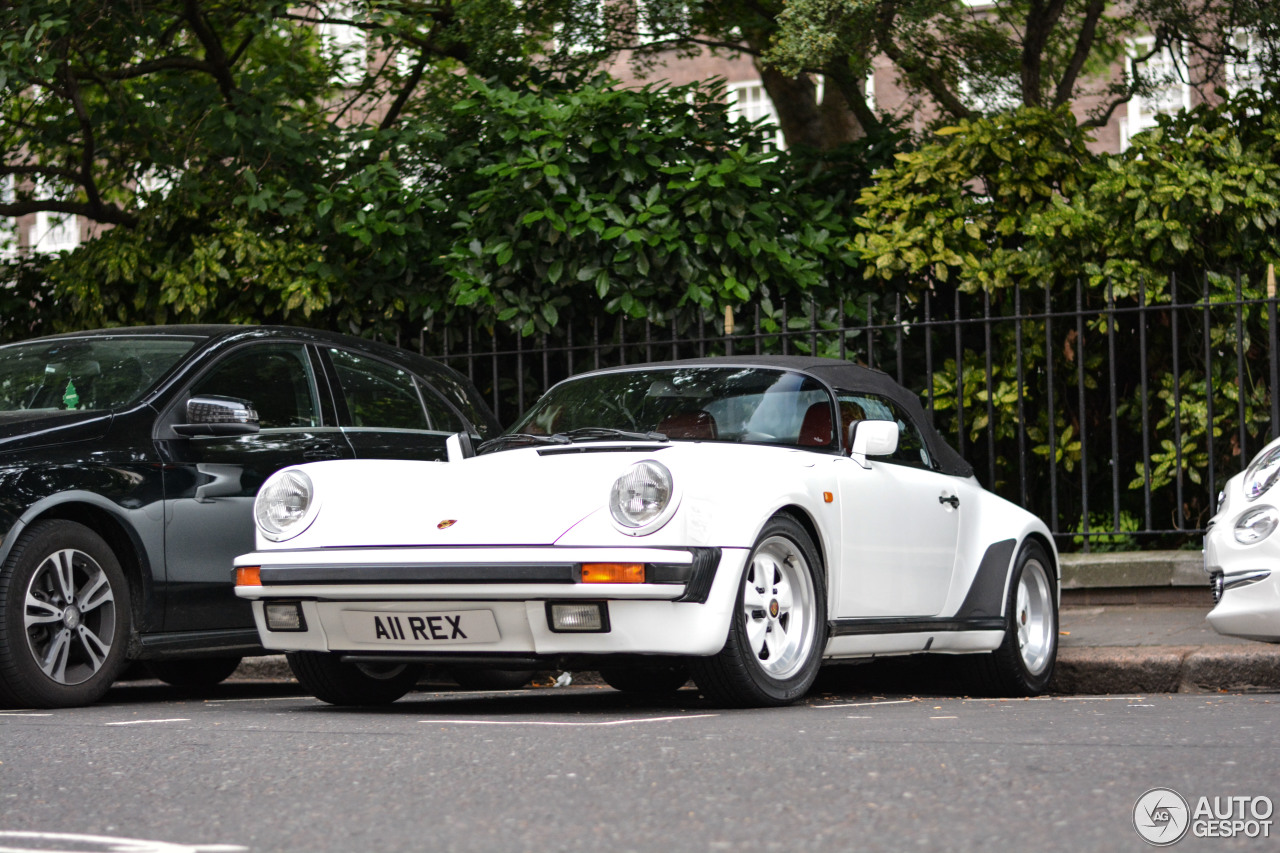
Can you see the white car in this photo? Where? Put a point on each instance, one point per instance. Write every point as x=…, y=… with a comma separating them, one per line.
x=1242, y=554
x=654, y=522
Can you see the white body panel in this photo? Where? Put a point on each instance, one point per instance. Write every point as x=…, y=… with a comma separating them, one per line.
x=904, y=555
x=1250, y=603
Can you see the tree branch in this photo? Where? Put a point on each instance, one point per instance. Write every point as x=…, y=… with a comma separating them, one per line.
x=1084, y=46
x=109, y=213
x=1041, y=20
x=214, y=54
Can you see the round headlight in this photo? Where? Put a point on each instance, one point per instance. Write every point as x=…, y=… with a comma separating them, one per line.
x=283, y=505
x=1256, y=525
x=641, y=495
x=1262, y=473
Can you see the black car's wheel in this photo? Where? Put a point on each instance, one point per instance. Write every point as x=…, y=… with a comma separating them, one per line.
x=1023, y=665
x=193, y=673
x=492, y=679
x=779, y=626
x=647, y=680
x=64, y=617
x=338, y=683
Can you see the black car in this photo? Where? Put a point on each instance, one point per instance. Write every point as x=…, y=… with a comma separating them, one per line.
x=129, y=461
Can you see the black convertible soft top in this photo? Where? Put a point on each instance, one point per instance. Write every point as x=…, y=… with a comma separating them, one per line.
x=847, y=376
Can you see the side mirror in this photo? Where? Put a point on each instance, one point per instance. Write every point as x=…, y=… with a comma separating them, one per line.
x=210, y=415
x=459, y=446
x=872, y=438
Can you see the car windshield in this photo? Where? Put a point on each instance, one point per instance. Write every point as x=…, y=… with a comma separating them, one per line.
x=84, y=374
x=733, y=404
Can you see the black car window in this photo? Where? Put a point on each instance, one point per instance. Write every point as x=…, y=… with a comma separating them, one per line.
x=441, y=416
x=856, y=406
x=275, y=378
x=378, y=394
x=84, y=374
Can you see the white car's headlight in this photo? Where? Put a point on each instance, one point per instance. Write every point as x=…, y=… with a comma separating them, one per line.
x=641, y=497
x=1262, y=473
x=1256, y=524
x=285, y=506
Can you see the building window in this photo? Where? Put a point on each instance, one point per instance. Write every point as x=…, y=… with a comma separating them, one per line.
x=1244, y=71
x=344, y=43
x=8, y=225
x=749, y=100
x=1169, y=92
x=55, y=232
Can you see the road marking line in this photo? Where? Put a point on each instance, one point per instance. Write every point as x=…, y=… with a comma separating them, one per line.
x=142, y=722
x=563, y=724
x=870, y=704
x=22, y=714
x=134, y=845
x=944, y=718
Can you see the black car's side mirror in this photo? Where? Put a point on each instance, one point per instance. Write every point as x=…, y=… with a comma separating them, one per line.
x=210, y=415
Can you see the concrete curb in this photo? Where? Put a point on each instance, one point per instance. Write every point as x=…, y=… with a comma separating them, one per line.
x=1082, y=671
x=1166, y=669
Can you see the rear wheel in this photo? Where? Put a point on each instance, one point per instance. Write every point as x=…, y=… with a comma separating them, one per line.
x=492, y=679
x=1023, y=665
x=64, y=617
x=330, y=680
x=647, y=680
x=194, y=673
x=778, y=628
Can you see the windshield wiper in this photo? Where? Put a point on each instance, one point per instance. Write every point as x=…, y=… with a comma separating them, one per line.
x=605, y=433
x=519, y=439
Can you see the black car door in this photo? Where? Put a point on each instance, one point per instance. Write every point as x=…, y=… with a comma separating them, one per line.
x=388, y=412
x=211, y=481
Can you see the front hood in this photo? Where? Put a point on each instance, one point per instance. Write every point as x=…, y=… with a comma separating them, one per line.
x=25, y=429
x=513, y=497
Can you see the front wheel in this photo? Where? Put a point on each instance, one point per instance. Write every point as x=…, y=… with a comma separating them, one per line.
x=492, y=679
x=64, y=617
x=330, y=680
x=652, y=680
x=1023, y=665
x=194, y=673
x=778, y=628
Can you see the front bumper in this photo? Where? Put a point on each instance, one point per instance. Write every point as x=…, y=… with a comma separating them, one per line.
x=683, y=608
x=1246, y=585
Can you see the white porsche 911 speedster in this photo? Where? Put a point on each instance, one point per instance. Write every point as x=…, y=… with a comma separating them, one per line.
x=737, y=520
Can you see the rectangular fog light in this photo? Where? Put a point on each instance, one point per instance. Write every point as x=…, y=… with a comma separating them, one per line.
x=584, y=617
x=284, y=616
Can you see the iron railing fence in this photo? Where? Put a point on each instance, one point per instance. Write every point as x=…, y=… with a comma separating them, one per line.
x=1090, y=406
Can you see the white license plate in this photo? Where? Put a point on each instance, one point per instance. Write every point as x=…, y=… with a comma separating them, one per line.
x=440, y=628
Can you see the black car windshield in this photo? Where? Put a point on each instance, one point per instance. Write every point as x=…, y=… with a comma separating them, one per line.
x=84, y=374
x=732, y=404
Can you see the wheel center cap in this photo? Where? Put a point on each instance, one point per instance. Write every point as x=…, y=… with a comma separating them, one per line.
x=774, y=609
x=71, y=616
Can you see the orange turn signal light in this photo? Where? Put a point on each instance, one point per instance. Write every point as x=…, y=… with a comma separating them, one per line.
x=613, y=572
x=248, y=576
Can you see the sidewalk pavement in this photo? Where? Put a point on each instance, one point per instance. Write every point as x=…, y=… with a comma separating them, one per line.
x=1130, y=623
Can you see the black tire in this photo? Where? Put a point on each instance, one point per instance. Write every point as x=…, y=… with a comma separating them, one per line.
x=746, y=672
x=1024, y=663
x=193, y=673
x=66, y=577
x=492, y=679
x=330, y=680
x=647, y=680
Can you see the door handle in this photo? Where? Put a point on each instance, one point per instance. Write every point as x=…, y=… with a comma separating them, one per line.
x=954, y=500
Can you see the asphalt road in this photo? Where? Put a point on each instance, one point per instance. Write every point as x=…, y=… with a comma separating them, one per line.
x=260, y=768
